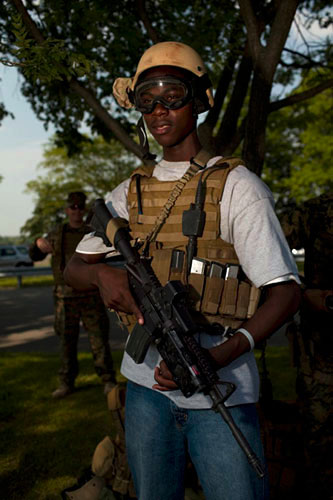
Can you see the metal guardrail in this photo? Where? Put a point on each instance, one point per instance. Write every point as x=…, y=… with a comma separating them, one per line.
x=22, y=272
x=25, y=271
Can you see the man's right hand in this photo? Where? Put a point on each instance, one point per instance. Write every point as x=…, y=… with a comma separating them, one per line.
x=88, y=271
x=114, y=289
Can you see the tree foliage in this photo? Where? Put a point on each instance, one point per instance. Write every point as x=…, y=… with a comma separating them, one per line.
x=53, y=60
x=244, y=43
x=298, y=163
x=96, y=169
x=312, y=170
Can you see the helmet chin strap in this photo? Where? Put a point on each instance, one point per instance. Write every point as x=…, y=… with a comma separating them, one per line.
x=147, y=157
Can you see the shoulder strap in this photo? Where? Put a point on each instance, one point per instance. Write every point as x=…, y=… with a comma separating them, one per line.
x=224, y=166
x=194, y=219
x=232, y=161
x=144, y=170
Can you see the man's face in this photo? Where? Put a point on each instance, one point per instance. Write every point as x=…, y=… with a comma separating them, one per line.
x=169, y=127
x=75, y=214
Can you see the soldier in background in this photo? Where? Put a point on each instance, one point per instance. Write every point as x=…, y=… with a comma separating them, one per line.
x=310, y=226
x=71, y=306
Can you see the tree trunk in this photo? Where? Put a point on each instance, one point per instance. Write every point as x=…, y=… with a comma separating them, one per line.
x=205, y=129
x=254, y=141
x=265, y=60
x=228, y=129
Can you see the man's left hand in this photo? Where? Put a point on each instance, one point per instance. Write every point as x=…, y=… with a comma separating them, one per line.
x=164, y=379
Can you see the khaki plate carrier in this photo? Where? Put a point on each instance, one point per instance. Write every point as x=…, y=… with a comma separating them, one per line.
x=212, y=299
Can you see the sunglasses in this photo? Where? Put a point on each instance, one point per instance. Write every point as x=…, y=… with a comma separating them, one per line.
x=77, y=207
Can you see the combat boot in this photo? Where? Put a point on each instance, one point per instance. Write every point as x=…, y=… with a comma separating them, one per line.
x=63, y=391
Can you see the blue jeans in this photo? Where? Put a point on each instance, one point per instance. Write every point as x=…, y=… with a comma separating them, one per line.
x=159, y=434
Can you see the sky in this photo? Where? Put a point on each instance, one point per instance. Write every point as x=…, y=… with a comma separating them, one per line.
x=21, y=148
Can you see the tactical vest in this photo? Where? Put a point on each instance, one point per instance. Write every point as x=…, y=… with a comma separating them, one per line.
x=212, y=299
x=64, y=242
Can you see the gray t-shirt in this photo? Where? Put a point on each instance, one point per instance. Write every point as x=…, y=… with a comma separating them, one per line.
x=248, y=221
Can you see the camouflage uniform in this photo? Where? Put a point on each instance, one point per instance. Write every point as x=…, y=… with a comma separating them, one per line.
x=71, y=306
x=311, y=227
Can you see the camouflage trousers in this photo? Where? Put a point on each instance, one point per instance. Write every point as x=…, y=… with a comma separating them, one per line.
x=69, y=312
x=314, y=383
x=315, y=398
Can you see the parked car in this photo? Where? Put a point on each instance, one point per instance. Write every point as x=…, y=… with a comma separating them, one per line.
x=14, y=256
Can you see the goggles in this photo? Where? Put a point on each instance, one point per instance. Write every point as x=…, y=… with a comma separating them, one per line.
x=77, y=206
x=172, y=93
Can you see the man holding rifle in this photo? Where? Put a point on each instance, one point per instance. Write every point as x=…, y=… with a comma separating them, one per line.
x=210, y=223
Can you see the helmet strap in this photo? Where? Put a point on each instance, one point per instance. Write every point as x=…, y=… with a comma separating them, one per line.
x=147, y=157
x=199, y=87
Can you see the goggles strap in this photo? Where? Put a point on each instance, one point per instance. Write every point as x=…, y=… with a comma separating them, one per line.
x=147, y=157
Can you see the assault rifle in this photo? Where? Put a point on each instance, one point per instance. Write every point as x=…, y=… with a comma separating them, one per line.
x=168, y=324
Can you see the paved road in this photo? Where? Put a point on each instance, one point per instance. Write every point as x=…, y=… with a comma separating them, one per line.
x=26, y=323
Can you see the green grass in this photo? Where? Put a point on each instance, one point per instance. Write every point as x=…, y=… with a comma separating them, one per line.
x=46, y=444
x=281, y=372
x=27, y=281
x=300, y=266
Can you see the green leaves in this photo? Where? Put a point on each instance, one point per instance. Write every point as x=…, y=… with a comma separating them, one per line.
x=48, y=60
x=299, y=148
x=96, y=42
x=312, y=170
x=96, y=169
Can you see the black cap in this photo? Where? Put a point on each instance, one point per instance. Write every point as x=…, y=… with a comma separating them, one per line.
x=77, y=198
